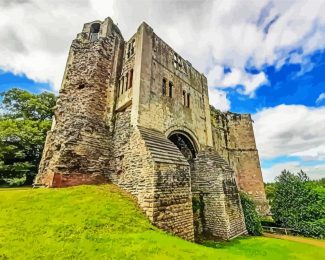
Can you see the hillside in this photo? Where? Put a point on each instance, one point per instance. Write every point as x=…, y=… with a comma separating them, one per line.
x=102, y=222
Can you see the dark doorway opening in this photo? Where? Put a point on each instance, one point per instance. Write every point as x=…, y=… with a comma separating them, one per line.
x=184, y=144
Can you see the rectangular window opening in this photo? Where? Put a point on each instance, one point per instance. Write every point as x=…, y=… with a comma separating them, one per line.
x=184, y=98
x=126, y=81
x=131, y=78
x=170, y=89
x=164, y=87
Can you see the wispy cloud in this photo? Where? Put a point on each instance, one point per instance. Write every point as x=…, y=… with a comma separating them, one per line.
x=320, y=98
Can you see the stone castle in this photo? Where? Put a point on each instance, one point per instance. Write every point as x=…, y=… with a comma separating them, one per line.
x=135, y=113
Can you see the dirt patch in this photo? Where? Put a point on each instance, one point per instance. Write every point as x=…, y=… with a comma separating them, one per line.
x=310, y=241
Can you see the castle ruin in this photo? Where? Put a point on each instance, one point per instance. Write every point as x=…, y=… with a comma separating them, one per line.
x=135, y=113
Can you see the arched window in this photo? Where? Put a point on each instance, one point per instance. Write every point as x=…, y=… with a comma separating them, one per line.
x=94, y=32
x=164, y=87
x=170, y=92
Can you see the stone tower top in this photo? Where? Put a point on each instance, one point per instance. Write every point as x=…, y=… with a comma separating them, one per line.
x=96, y=29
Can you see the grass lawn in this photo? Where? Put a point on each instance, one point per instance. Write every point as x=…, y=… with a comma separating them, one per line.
x=101, y=222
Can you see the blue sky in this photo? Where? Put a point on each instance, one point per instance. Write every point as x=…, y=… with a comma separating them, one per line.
x=9, y=80
x=288, y=85
x=264, y=57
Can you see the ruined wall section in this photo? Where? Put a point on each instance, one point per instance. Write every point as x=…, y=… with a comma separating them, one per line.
x=78, y=147
x=158, y=178
x=234, y=139
x=216, y=202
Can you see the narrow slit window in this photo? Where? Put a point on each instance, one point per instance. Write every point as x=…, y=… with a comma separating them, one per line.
x=170, y=89
x=131, y=78
x=128, y=50
x=164, y=82
x=184, y=98
x=122, y=85
x=188, y=100
x=126, y=81
x=132, y=47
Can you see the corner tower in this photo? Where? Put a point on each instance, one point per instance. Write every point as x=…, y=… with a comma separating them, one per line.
x=78, y=147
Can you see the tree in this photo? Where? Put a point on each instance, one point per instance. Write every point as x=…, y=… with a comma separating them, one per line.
x=252, y=219
x=23, y=126
x=299, y=203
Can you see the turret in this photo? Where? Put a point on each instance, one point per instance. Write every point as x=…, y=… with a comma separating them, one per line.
x=78, y=147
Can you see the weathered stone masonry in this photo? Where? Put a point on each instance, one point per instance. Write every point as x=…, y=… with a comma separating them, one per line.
x=137, y=114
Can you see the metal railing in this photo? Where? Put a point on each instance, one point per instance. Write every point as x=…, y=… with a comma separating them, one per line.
x=278, y=230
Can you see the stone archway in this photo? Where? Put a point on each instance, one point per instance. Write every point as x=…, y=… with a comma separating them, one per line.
x=184, y=143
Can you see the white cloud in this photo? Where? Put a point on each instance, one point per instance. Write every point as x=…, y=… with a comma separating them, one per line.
x=290, y=130
x=320, y=98
x=314, y=172
x=211, y=34
x=218, y=99
x=236, y=77
x=36, y=41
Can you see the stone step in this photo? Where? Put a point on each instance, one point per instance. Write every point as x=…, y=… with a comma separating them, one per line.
x=164, y=146
x=171, y=158
x=155, y=137
x=159, y=150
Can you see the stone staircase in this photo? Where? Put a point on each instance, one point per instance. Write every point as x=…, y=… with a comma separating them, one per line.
x=161, y=149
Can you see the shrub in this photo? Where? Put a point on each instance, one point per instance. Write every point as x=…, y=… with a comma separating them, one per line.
x=311, y=228
x=15, y=182
x=252, y=219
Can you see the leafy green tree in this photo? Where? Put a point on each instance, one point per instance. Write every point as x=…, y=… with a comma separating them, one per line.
x=252, y=219
x=24, y=123
x=295, y=201
x=269, y=190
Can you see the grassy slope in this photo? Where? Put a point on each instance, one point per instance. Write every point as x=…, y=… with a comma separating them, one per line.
x=90, y=222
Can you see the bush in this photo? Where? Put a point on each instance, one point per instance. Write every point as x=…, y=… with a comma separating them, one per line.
x=312, y=228
x=15, y=182
x=252, y=219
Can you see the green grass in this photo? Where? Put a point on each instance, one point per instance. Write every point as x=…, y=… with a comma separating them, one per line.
x=101, y=222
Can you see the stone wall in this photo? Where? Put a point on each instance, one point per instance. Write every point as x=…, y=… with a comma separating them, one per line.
x=234, y=139
x=217, y=203
x=165, y=111
x=79, y=142
x=151, y=168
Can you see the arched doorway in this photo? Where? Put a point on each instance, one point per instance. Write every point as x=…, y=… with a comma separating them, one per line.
x=185, y=144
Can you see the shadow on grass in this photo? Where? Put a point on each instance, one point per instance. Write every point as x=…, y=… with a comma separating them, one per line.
x=223, y=244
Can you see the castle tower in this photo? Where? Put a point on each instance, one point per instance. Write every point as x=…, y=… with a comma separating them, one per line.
x=234, y=138
x=77, y=148
x=137, y=114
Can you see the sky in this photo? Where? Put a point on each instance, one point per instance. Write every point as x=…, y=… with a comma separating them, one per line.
x=261, y=57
